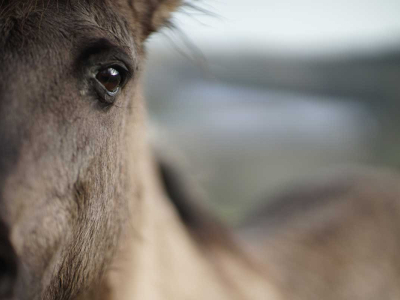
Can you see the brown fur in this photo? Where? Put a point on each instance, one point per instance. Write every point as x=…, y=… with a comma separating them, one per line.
x=87, y=213
x=77, y=183
x=334, y=238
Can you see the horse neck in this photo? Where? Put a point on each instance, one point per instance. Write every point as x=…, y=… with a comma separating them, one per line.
x=160, y=258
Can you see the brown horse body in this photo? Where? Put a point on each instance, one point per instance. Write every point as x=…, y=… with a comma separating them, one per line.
x=332, y=238
x=86, y=212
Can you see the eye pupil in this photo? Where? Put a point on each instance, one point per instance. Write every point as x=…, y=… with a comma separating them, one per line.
x=110, y=78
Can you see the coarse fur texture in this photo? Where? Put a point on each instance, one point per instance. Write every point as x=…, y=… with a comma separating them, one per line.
x=79, y=192
x=88, y=212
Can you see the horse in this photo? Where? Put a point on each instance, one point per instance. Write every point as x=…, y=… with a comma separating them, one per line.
x=89, y=211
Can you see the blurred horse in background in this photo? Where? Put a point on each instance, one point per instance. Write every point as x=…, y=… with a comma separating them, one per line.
x=88, y=212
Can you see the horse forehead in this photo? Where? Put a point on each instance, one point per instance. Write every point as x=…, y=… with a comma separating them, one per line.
x=58, y=24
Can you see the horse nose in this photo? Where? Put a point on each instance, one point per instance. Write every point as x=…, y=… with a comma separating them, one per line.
x=8, y=264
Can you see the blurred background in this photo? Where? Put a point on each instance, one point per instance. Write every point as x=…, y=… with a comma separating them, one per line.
x=258, y=94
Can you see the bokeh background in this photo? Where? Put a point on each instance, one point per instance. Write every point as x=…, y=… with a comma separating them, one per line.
x=258, y=94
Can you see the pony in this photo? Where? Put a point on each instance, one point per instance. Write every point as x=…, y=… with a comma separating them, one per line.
x=88, y=211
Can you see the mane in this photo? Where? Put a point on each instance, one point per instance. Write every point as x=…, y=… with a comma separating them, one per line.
x=212, y=237
x=202, y=224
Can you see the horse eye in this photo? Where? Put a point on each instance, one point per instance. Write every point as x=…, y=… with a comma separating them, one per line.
x=111, y=79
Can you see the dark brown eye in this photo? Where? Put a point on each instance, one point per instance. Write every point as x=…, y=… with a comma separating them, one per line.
x=111, y=79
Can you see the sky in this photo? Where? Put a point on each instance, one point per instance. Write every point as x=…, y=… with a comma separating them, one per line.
x=294, y=25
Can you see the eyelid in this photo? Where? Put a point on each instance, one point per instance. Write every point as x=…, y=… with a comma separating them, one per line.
x=103, y=52
x=121, y=66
